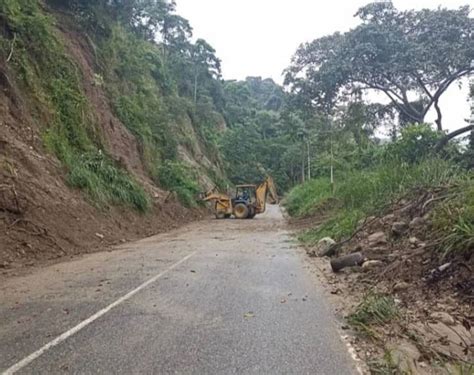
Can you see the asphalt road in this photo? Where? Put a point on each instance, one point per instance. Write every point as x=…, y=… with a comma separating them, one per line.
x=214, y=297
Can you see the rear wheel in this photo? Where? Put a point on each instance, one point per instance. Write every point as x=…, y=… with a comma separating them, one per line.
x=241, y=211
x=252, y=212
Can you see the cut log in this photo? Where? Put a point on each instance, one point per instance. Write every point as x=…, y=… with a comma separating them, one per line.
x=354, y=259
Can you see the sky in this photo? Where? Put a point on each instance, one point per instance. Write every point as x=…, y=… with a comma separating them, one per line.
x=258, y=37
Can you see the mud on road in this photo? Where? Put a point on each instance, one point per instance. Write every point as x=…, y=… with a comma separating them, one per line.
x=227, y=296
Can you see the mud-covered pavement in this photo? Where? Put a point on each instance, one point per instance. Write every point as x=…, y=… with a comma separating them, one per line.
x=214, y=297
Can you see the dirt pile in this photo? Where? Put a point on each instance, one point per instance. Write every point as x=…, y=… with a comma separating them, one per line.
x=419, y=300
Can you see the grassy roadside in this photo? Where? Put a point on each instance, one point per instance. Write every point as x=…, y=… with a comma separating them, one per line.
x=359, y=194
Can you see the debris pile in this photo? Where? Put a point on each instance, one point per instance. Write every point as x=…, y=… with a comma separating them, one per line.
x=396, y=255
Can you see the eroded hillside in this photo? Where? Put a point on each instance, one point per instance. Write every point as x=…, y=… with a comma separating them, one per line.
x=101, y=141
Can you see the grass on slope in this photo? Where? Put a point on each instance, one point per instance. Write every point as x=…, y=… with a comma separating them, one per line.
x=359, y=194
x=53, y=81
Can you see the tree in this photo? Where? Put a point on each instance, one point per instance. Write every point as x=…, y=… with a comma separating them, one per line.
x=204, y=61
x=412, y=57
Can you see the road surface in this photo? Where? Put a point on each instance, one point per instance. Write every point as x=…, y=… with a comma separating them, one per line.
x=214, y=297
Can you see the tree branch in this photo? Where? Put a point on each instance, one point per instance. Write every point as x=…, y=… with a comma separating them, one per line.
x=12, y=48
x=444, y=141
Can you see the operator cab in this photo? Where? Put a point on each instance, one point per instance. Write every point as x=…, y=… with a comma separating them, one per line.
x=245, y=193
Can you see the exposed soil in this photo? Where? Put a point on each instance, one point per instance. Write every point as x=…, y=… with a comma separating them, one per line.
x=41, y=218
x=434, y=294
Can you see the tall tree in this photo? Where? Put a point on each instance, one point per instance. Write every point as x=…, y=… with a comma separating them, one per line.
x=412, y=57
x=205, y=62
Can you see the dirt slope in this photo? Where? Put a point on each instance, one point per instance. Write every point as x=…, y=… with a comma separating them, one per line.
x=41, y=218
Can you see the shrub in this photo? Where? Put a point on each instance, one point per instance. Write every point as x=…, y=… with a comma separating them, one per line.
x=416, y=143
x=176, y=177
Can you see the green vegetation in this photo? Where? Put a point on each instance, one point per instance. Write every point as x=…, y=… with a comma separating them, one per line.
x=154, y=89
x=364, y=192
x=176, y=177
x=53, y=81
x=454, y=218
x=374, y=309
x=105, y=183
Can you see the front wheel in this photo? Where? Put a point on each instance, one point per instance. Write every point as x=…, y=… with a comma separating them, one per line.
x=241, y=211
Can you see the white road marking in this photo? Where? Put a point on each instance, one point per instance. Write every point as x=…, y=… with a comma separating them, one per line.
x=27, y=360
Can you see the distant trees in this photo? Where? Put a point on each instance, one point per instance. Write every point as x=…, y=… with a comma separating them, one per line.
x=412, y=57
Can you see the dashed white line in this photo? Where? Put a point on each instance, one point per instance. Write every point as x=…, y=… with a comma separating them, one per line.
x=27, y=360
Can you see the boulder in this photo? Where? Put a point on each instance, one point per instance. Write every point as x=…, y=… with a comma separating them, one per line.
x=399, y=228
x=417, y=222
x=401, y=286
x=371, y=264
x=388, y=218
x=414, y=240
x=324, y=246
x=405, y=357
x=443, y=317
x=377, y=238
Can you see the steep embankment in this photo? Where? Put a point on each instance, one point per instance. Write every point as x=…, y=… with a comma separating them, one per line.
x=91, y=145
x=407, y=230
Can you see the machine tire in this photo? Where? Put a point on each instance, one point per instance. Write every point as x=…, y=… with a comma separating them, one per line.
x=241, y=211
x=252, y=212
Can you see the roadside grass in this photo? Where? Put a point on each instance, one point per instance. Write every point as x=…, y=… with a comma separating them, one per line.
x=358, y=194
x=454, y=219
x=374, y=309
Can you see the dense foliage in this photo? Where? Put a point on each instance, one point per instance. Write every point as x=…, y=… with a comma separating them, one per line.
x=165, y=89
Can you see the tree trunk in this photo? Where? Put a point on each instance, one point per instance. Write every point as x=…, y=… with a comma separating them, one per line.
x=195, y=87
x=440, y=116
x=302, y=170
x=351, y=260
x=309, y=163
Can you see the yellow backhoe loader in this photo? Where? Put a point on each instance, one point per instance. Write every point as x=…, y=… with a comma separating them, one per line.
x=249, y=200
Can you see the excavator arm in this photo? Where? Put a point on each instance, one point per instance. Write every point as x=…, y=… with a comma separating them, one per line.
x=266, y=188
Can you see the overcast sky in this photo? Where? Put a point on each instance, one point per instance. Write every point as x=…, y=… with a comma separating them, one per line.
x=258, y=37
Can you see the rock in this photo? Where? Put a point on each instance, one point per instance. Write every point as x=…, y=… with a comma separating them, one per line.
x=324, y=246
x=101, y=236
x=453, y=340
x=405, y=356
x=400, y=286
x=360, y=223
x=417, y=222
x=388, y=218
x=413, y=240
x=399, y=228
x=443, y=317
x=372, y=264
x=377, y=238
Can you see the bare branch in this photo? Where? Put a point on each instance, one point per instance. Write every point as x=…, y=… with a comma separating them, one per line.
x=12, y=48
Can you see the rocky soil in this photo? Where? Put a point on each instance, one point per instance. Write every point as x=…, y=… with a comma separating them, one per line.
x=394, y=256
